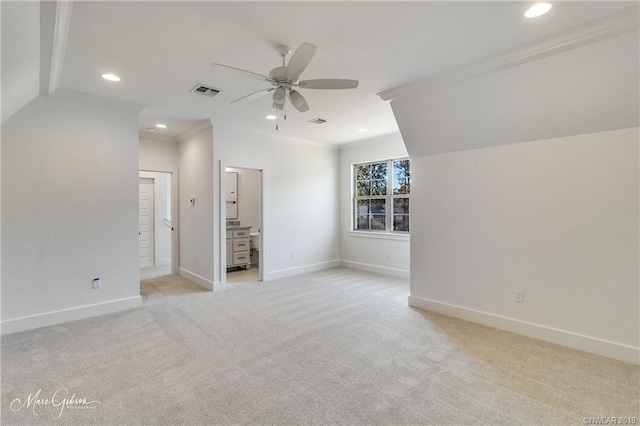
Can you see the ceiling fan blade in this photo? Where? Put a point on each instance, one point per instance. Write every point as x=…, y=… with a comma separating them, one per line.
x=246, y=73
x=298, y=101
x=254, y=95
x=328, y=83
x=300, y=59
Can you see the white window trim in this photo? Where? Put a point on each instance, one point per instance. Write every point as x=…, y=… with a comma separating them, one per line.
x=386, y=235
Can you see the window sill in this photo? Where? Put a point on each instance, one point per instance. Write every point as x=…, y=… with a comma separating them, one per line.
x=380, y=235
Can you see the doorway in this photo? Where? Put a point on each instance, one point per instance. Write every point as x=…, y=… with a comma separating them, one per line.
x=155, y=224
x=243, y=219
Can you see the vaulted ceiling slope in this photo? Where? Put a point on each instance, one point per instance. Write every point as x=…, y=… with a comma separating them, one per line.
x=580, y=81
x=161, y=50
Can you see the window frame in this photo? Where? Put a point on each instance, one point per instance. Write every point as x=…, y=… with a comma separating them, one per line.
x=388, y=232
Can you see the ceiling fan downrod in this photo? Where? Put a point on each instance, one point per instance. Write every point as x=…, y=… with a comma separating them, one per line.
x=283, y=51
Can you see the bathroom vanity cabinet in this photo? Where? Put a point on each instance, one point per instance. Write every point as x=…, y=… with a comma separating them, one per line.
x=238, y=254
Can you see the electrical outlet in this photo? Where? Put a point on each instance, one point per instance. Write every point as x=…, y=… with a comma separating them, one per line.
x=96, y=283
x=519, y=296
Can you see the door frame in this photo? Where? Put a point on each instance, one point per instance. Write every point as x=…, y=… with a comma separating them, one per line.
x=175, y=233
x=222, y=214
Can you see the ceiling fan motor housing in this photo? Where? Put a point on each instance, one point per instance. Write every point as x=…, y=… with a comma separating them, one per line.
x=279, y=74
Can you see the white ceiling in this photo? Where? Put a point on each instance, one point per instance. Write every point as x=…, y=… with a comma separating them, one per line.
x=162, y=49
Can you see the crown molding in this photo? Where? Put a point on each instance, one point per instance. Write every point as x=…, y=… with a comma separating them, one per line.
x=96, y=100
x=380, y=139
x=278, y=136
x=572, y=38
x=146, y=134
x=198, y=128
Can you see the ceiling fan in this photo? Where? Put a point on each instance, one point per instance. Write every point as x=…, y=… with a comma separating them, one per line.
x=285, y=79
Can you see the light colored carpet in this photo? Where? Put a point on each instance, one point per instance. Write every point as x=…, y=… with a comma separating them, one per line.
x=336, y=346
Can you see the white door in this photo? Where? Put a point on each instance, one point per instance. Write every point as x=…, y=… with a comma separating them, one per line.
x=145, y=234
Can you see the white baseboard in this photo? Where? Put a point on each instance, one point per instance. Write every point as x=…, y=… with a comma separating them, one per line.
x=72, y=314
x=561, y=337
x=284, y=273
x=392, y=272
x=218, y=286
x=196, y=279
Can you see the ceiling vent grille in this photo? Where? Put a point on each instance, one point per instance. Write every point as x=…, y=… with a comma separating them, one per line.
x=317, y=121
x=203, y=90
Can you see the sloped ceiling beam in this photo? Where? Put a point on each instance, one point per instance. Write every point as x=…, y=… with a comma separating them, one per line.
x=55, y=19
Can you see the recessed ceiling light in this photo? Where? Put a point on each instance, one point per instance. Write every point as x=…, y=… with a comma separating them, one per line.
x=111, y=77
x=161, y=126
x=271, y=117
x=362, y=130
x=537, y=10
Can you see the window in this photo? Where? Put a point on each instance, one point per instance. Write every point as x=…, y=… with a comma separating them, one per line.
x=381, y=201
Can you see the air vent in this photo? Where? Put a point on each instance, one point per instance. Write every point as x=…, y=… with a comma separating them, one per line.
x=203, y=90
x=317, y=121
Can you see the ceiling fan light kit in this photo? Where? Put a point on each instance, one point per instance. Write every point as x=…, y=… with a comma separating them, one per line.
x=285, y=79
x=279, y=95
